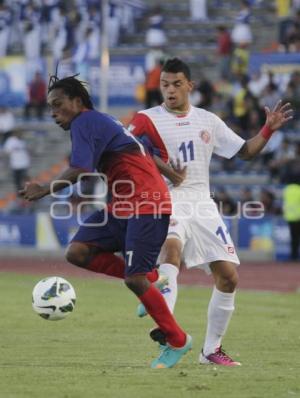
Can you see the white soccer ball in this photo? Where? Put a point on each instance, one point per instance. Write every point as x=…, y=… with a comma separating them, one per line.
x=53, y=298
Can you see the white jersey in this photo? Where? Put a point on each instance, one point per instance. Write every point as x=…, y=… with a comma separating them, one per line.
x=193, y=139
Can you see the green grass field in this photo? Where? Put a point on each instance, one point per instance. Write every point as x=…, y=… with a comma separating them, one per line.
x=103, y=350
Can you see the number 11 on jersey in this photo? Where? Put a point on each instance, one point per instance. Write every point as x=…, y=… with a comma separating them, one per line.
x=187, y=150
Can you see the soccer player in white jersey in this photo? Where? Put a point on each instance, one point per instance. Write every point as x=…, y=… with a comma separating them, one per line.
x=177, y=131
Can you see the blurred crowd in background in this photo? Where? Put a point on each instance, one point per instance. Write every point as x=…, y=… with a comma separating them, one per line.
x=72, y=28
x=52, y=27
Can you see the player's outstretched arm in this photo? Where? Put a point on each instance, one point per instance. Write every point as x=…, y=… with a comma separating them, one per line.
x=174, y=172
x=275, y=119
x=34, y=191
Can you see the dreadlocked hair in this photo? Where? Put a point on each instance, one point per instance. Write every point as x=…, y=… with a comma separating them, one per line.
x=175, y=65
x=72, y=87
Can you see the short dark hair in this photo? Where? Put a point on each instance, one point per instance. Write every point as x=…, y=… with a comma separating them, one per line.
x=175, y=65
x=72, y=87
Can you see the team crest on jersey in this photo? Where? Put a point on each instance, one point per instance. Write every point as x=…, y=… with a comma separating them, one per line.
x=173, y=222
x=230, y=249
x=205, y=136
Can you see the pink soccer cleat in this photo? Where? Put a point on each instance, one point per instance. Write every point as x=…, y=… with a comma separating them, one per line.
x=219, y=357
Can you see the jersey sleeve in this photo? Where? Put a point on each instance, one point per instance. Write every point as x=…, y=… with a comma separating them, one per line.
x=142, y=127
x=82, y=155
x=227, y=143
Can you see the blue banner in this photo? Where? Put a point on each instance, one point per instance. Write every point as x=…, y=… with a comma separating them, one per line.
x=277, y=63
x=269, y=234
x=17, y=230
x=36, y=230
x=41, y=231
x=256, y=234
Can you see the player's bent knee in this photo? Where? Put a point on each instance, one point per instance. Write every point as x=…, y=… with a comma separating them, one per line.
x=226, y=276
x=229, y=282
x=132, y=283
x=232, y=284
x=138, y=284
x=77, y=255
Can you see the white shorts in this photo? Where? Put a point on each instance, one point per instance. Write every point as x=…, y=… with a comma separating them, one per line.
x=203, y=234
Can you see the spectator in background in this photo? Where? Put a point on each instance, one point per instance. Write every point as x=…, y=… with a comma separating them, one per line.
x=114, y=24
x=151, y=57
x=258, y=83
x=47, y=10
x=295, y=5
x=283, y=155
x=241, y=33
x=31, y=41
x=19, y=159
x=246, y=195
x=226, y=204
x=93, y=28
x=268, y=199
x=7, y=123
x=224, y=51
x=88, y=48
x=67, y=65
x=32, y=31
x=155, y=34
x=270, y=95
x=243, y=102
x=198, y=10
x=127, y=19
x=291, y=202
x=255, y=118
x=59, y=34
x=240, y=61
x=152, y=86
x=293, y=33
x=252, y=207
x=219, y=105
x=207, y=91
x=5, y=27
x=283, y=9
x=292, y=94
x=37, y=96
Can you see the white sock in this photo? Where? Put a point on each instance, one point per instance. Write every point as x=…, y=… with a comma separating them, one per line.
x=170, y=291
x=220, y=309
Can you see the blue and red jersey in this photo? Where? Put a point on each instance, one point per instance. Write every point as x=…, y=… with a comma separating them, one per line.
x=135, y=185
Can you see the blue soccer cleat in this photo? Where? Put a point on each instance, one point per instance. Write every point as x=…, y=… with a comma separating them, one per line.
x=161, y=283
x=169, y=356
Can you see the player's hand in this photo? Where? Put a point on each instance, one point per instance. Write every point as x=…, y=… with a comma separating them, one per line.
x=279, y=115
x=33, y=191
x=179, y=172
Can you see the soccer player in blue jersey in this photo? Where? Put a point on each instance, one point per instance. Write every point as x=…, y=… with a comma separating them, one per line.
x=136, y=218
